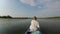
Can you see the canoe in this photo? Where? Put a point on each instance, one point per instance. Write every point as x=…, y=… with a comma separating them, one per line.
x=36, y=32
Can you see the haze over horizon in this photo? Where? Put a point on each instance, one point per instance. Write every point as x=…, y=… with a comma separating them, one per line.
x=23, y=8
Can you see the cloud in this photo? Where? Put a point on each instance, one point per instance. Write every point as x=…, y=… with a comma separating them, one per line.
x=35, y=3
x=30, y=2
x=41, y=8
x=47, y=7
x=54, y=5
x=52, y=9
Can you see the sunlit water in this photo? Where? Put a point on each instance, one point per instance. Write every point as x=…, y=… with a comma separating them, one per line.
x=19, y=26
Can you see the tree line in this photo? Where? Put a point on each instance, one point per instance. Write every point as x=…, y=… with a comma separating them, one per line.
x=5, y=16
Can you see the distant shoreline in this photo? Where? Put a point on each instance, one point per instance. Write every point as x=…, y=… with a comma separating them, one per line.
x=32, y=18
x=10, y=17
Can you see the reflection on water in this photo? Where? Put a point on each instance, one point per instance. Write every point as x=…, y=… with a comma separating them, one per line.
x=19, y=26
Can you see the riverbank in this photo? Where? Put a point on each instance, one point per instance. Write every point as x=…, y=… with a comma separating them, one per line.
x=10, y=17
x=29, y=18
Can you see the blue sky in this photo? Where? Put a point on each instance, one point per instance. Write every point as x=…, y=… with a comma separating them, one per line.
x=23, y=8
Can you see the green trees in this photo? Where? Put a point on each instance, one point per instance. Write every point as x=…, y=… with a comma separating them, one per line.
x=5, y=16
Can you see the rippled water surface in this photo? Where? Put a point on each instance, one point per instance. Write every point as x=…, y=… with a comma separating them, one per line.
x=19, y=26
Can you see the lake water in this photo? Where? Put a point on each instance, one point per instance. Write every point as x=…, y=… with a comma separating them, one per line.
x=19, y=26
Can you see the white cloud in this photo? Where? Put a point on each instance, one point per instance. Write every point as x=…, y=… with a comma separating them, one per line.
x=53, y=5
x=52, y=9
x=39, y=7
x=30, y=2
x=35, y=2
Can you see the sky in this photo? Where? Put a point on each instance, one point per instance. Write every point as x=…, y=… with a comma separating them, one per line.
x=30, y=8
